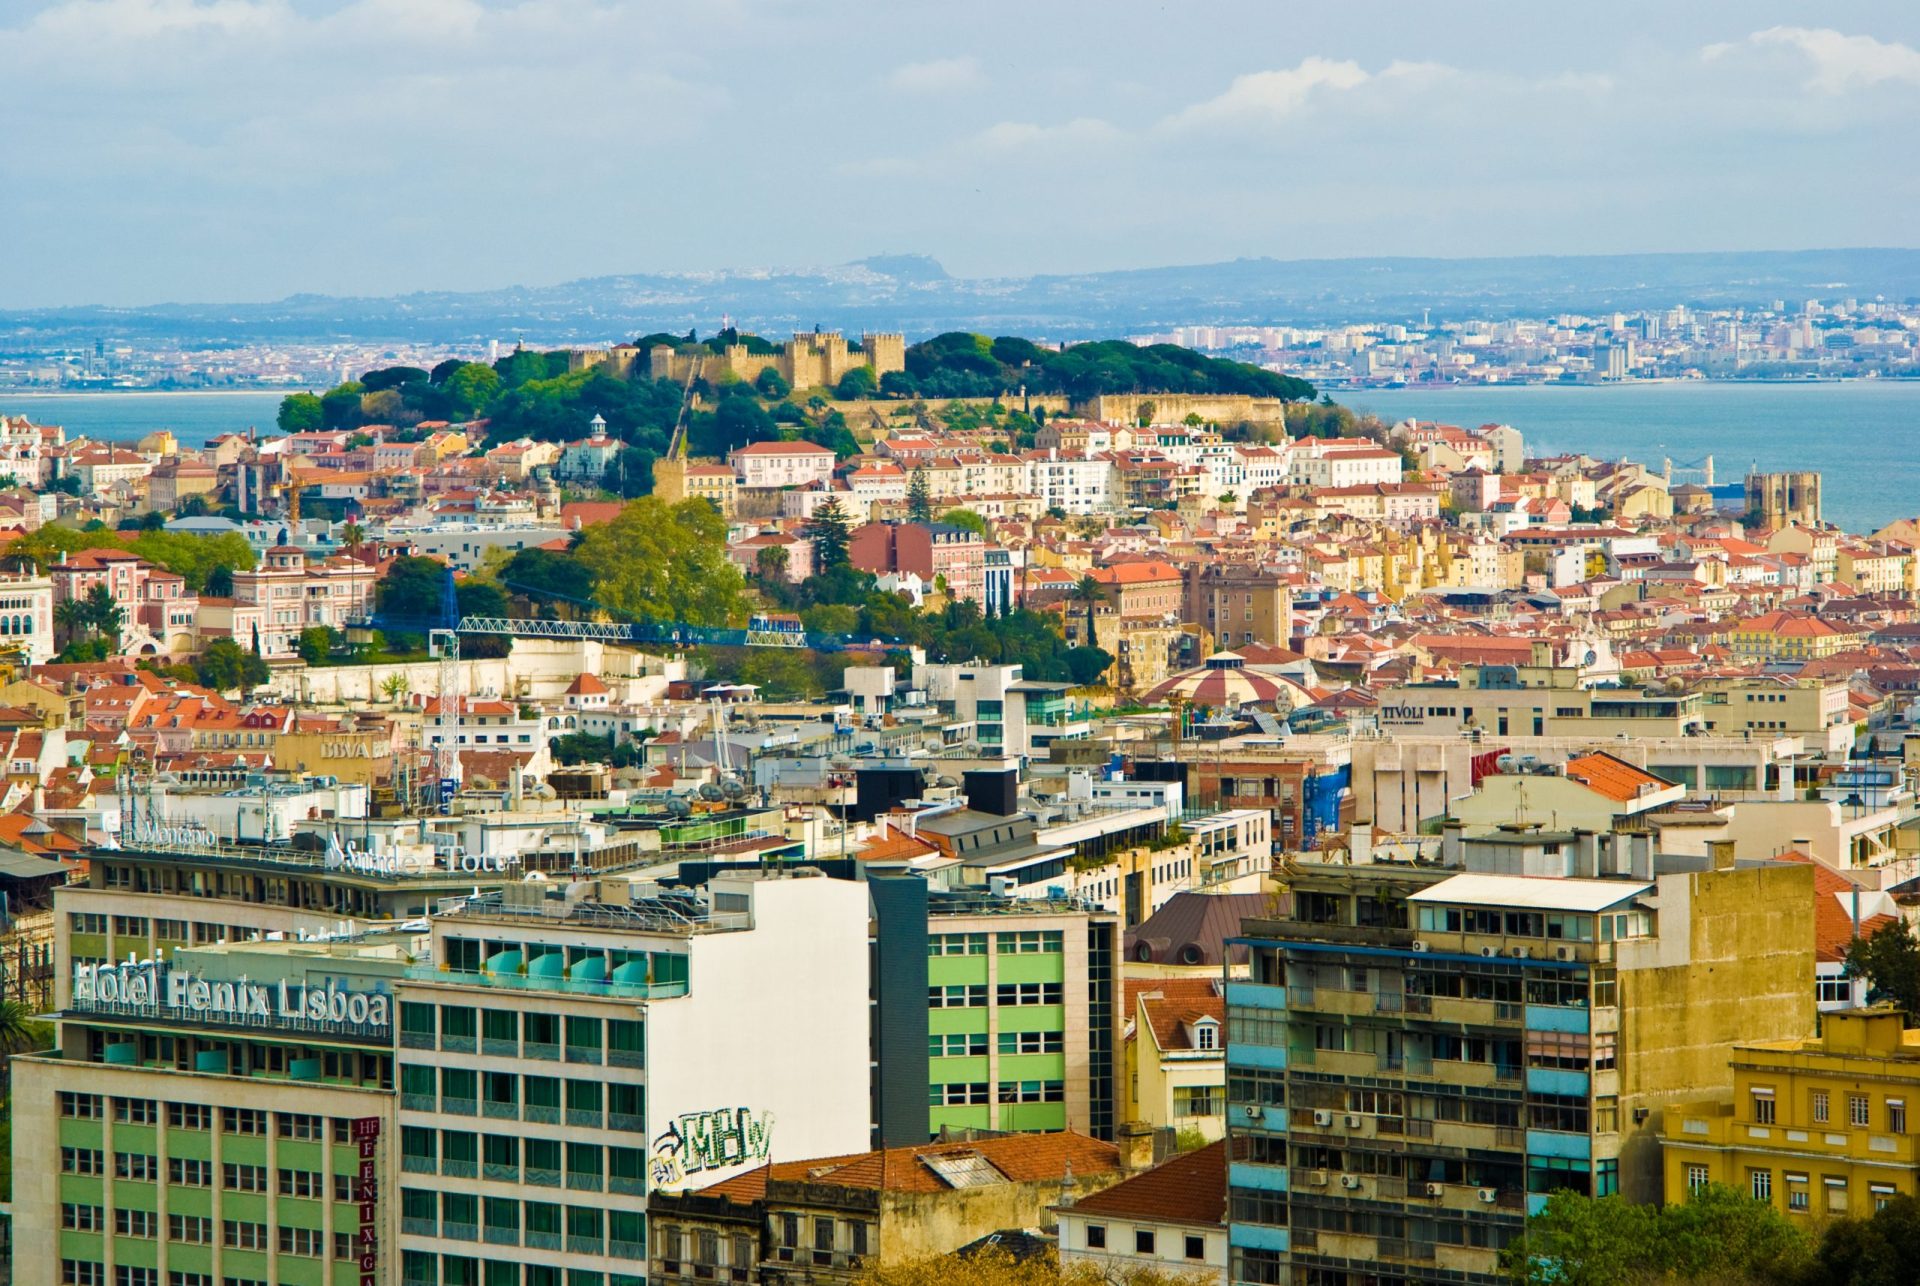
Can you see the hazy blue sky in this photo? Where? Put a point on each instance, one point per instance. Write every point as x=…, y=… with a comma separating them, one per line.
x=248, y=149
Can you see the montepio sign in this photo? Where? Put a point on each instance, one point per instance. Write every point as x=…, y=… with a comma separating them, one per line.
x=152, y=987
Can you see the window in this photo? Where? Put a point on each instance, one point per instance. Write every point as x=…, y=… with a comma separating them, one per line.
x=1822, y=1107
x=189, y=1116
x=1797, y=1198
x=243, y=1120
x=1198, y=1100
x=1836, y=1196
x=1896, y=1116
x=195, y=1230
x=1763, y=1107
x=959, y=997
x=300, y=1183
x=1760, y=1183
x=1030, y=943
x=1206, y=1035
x=1096, y=1236
x=301, y=1241
x=298, y=1125
x=956, y=944
x=129, y=1275
x=1142, y=1242
x=957, y=1094
x=82, y=1161
x=80, y=1107
x=1032, y=1042
x=135, y=1111
x=958, y=1045
x=141, y=1166
x=1196, y=1247
x=82, y=1272
x=1857, y=1109
x=1030, y=993
x=1696, y=1178
x=238, y=1234
x=235, y=1177
x=81, y=1218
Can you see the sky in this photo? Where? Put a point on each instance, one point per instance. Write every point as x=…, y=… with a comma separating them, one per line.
x=238, y=150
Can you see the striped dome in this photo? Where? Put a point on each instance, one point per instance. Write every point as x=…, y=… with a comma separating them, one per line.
x=1222, y=681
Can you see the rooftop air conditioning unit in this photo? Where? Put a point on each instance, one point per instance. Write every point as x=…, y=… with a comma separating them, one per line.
x=1488, y=1196
x=1563, y=953
x=1521, y=953
x=1350, y=1181
x=1353, y=1122
x=1252, y=1111
x=1317, y=1179
x=1489, y=951
x=1436, y=1189
x=1323, y=1118
x=1419, y=945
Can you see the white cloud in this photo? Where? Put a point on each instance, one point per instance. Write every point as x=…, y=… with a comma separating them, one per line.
x=1839, y=62
x=940, y=76
x=1015, y=136
x=1266, y=98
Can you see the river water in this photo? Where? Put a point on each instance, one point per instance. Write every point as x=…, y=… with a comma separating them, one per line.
x=1863, y=436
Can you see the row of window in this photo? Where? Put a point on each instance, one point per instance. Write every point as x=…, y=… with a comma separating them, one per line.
x=461, y=1027
x=463, y=1154
x=1860, y=1114
x=1799, y=1189
x=198, y=1230
x=540, y=1225
x=424, y=1268
x=89, y=1272
x=974, y=1093
x=1028, y=942
x=974, y=1044
x=462, y=1091
x=1146, y=1241
x=244, y=1121
x=135, y=926
x=974, y=995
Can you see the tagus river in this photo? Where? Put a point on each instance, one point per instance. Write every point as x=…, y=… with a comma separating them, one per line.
x=1862, y=435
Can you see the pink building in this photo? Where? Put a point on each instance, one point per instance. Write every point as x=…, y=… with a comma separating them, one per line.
x=927, y=549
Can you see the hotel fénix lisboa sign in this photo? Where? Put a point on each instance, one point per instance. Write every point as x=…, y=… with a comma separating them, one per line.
x=153, y=988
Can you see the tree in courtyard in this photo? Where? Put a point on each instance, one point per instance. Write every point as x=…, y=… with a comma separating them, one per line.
x=828, y=530
x=662, y=562
x=770, y=565
x=1889, y=960
x=1088, y=592
x=225, y=665
x=105, y=615
x=919, y=496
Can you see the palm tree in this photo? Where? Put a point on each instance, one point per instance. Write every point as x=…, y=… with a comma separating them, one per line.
x=19, y=1032
x=71, y=619
x=394, y=687
x=104, y=613
x=1089, y=591
x=352, y=537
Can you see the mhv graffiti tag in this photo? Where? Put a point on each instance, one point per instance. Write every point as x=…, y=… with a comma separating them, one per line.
x=711, y=1140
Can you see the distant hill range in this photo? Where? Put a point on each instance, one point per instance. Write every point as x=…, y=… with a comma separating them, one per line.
x=914, y=294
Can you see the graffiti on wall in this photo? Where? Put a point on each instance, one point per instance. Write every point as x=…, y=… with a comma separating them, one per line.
x=711, y=1140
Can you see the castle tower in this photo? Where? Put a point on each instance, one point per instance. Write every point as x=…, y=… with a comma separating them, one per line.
x=885, y=353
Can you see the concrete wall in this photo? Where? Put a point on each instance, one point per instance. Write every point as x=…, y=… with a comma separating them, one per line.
x=1741, y=972
x=776, y=1022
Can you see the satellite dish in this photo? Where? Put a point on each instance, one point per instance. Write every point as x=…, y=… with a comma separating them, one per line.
x=678, y=807
x=710, y=792
x=733, y=788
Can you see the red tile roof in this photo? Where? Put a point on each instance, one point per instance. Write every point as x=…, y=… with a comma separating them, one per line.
x=1187, y=1189
x=1022, y=1158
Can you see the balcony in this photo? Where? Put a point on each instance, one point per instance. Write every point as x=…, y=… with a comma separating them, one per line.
x=502, y=1236
x=416, y=1040
x=500, y=1172
x=417, y=1164
x=540, y=1050
x=500, y=1048
x=630, y=1185
x=460, y=1231
x=457, y=1106
x=460, y=1169
x=418, y=1102
x=589, y=1117
x=627, y=1121
x=586, y=1245
x=627, y=1249
x=533, y=1240
x=415, y=1226
x=581, y=1181
x=500, y=1111
x=542, y=1179
x=583, y=1054
x=626, y=1058
x=458, y=1044
x=540, y=1114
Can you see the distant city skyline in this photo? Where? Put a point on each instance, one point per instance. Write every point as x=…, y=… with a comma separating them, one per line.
x=251, y=149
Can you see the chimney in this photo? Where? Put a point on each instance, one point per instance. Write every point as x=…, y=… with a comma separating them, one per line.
x=1136, y=1146
x=1721, y=851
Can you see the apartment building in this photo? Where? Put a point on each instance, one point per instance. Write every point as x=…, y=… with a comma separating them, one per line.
x=1421, y=1055
x=992, y=1013
x=1815, y=1127
x=562, y=1056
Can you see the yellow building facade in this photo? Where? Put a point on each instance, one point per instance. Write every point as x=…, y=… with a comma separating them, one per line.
x=1818, y=1128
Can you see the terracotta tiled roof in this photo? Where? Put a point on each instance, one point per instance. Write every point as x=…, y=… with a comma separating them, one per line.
x=1188, y=1189
x=1172, y=1003
x=1615, y=778
x=1022, y=1158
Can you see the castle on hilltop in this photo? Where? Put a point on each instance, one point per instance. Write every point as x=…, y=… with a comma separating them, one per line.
x=814, y=359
